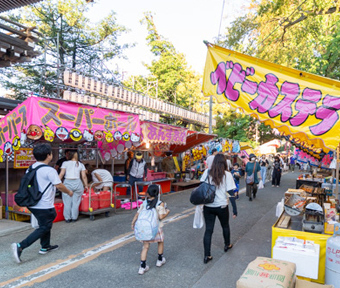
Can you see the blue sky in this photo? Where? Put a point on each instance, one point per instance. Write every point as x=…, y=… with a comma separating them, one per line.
x=185, y=23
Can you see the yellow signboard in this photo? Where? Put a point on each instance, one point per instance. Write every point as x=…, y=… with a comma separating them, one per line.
x=300, y=105
x=23, y=158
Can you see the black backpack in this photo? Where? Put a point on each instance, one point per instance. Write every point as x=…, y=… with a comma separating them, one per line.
x=28, y=193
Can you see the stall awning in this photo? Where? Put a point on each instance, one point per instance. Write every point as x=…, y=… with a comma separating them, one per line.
x=193, y=139
x=52, y=119
x=297, y=103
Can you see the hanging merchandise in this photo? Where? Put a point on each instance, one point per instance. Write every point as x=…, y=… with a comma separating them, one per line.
x=236, y=147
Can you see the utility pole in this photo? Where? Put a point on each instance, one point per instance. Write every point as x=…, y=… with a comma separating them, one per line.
x=210, y=115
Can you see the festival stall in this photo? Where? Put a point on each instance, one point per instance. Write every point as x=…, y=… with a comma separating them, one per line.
x=304, y=108
x=61, y=123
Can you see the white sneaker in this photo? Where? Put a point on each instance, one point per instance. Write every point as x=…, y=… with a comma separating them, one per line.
x=160, y=263
x=141, y=270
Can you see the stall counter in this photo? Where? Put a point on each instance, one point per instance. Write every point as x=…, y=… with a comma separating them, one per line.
x=320, y=239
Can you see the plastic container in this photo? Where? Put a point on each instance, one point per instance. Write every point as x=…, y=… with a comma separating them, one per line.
x=84, y=204
x=59, y=208
x=332, y=258
x=104, y=199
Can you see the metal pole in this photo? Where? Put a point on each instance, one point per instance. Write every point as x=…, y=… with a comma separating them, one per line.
x=210, y=115
x=58, y=65
x=6, y=188
x=112, y=166
x=337, y=173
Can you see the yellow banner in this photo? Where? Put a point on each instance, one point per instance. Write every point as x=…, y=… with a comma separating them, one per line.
x=299, y=104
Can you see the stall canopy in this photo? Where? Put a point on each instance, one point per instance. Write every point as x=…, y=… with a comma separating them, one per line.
x=269, y=147
x=61, y=121
x=193, y=139
x=296, y=103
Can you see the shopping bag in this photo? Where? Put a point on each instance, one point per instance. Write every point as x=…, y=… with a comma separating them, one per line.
x=261, y=186
x=198, y=217
x=34, y=222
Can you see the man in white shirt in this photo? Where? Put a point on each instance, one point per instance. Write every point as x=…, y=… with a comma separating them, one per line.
x=44, y=210
x=210, y=159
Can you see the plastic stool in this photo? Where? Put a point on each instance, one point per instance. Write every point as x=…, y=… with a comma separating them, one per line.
x=140, y=194
x=123, y=185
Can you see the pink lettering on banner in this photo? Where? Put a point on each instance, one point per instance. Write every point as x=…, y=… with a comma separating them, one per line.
x=267, y=94
x=306, y=106
x=161, y=134
x=328, y=114
x=152, y=132
x=176, y=136
x=248, y=86
x=284, y=108
x=237, y=75
x=219, y=77
x=168, y=135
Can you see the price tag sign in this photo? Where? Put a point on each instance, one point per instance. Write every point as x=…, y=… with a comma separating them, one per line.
x=23, y=158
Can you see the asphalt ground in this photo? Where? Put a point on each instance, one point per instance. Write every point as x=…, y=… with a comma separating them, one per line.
x=103, y=252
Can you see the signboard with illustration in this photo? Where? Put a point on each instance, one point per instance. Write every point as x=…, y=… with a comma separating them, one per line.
x=23, y=158
x=297, y=103
x=50, y=119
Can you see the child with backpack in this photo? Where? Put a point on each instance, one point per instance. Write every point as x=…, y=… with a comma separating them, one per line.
x=148, y=226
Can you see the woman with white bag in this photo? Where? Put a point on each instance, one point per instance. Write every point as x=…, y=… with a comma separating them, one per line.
x=225, y=185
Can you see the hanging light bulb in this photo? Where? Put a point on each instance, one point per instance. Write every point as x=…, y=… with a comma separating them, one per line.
x=147, y=146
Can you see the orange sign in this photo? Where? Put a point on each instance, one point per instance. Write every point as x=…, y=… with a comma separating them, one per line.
x=23, y=158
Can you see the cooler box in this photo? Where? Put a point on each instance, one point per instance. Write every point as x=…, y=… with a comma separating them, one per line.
x=118, y=203
x=151, y=175
x=84, y=204
x=119, y=178
x=59, y=208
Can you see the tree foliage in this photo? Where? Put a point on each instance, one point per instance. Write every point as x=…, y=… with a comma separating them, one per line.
x=299, y=34
x=83, y=45
x=169, y=72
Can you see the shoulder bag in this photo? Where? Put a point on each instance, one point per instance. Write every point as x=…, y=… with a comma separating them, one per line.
x=204, y=193
x=250, y=179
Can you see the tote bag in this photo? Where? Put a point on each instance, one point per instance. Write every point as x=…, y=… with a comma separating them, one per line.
x=203, y=194
x=250, y=178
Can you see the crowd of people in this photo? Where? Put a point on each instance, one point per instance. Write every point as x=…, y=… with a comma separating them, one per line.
x=71, y=177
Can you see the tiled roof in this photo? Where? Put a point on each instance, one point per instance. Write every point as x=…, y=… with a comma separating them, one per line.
x=6, y=5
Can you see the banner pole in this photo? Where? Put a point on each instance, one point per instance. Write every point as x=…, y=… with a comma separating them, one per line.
x=337, y=173
x=210, y=115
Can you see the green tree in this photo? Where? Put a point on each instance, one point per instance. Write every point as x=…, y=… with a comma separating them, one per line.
x=176, y=82
x=82, y=45
x=299, y=34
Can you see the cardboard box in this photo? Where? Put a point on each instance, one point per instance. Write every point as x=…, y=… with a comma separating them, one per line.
x=306, y=284
x=266, y=272
x=305, y=254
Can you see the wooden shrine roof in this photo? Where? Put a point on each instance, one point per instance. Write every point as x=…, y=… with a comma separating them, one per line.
x=17, y=42
x=6, y=5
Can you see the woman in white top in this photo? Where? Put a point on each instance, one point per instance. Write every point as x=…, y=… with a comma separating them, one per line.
x=76, y=181
x=225, y=185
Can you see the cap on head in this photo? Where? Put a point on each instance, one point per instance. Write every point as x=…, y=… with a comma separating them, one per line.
x=139, y=155
x=252, y=155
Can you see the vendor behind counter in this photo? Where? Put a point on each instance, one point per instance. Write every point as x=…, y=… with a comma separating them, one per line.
x=168, y=165
x=99, y=175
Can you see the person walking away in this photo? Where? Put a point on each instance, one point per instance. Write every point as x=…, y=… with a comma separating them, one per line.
x=210, y=159
x=251, y=189
x=60, y=162
x=137, y=171
x=277, y=168
x=44, y=210
x=225, y=185
x=76, y=181
x=229, y=165
x=237, y=174
x=127, y=163
x=162, y=211
x=168, y=165
x=102, y=179
x=264, y=164
x=292, y=163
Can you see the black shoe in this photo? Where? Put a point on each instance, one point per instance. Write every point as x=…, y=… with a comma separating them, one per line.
x=226, y=248
x=48, y=249
x=207, y=259
x=254, y=196
x=68, y=221
x=74, y=220
x=250, y=199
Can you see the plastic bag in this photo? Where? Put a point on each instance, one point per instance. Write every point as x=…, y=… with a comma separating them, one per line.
x=34, y=222
x=261, y=186
x=279, y=208
x=198, y=217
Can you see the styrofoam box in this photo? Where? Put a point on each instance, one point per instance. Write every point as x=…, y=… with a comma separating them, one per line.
x=306, y=260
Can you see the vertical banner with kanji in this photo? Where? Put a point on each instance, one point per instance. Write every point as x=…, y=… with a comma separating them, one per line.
x=297, y=103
